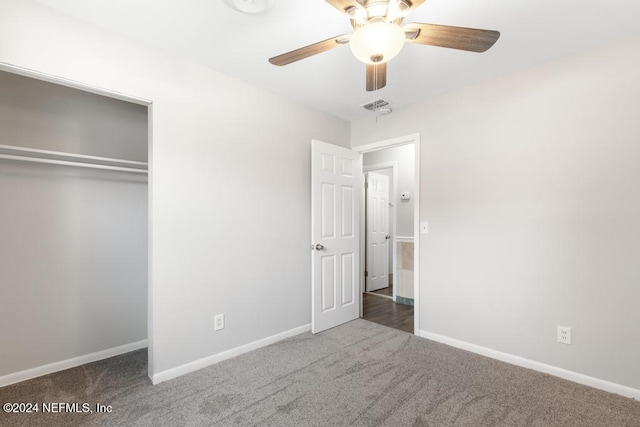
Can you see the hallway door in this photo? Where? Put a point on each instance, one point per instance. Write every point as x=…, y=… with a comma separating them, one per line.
x=377, y=231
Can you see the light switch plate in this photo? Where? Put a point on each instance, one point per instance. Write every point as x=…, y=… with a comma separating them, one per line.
x=424, y=227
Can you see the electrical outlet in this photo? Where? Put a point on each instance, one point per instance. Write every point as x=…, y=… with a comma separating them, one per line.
x=564, y=334
x=218, y=322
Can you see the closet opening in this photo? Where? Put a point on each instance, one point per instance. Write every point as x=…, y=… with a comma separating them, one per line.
x=74, y=227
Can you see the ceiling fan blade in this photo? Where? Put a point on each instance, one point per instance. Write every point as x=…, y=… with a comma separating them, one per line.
x=376, y=76
x=470, y=39
x=307, y=51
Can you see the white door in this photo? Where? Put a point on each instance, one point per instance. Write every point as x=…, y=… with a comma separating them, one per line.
x=377, y=226
x=336, y=191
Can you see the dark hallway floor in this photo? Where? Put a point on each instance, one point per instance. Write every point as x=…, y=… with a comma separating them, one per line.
x=384, y=311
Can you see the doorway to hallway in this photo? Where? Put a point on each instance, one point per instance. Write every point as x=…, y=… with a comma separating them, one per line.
x=390, y=223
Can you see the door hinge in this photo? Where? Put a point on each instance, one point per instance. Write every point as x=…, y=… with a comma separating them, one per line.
x=366, y=274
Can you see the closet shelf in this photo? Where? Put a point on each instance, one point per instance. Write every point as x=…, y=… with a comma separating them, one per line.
x=11, y=152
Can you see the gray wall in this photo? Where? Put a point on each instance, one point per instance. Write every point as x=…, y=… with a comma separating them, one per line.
x=73, y=242
x=42, y=115
x=229, y=184
x=531, y=186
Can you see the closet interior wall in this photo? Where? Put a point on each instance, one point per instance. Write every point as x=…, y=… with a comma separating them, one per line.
x=73, y=240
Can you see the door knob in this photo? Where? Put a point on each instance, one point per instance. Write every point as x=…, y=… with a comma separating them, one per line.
x=387, y=237
x=317, y=247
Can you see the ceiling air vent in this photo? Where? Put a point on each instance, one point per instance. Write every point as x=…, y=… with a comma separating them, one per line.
x=375, y=105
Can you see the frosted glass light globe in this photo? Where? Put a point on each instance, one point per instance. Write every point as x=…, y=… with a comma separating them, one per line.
x=377, y=42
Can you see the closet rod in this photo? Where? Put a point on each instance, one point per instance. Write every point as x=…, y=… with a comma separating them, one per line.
x=66, y=163
x=72, y=155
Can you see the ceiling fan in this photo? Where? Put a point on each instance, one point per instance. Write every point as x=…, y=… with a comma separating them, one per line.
x=379, y=36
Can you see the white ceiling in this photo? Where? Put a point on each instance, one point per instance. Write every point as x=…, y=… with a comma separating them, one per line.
x=211, y=33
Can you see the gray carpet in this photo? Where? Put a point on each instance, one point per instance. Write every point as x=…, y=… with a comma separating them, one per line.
x=358, y=374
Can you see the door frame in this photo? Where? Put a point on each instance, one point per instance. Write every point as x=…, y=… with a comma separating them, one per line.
x=379, y=145
x=393, y=165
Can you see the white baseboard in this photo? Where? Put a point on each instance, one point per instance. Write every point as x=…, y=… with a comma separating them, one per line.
x=536, y=366
x=69, y=363
x=187, y=368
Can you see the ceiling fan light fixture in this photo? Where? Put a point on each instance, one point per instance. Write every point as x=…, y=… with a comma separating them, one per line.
x=398, y=10
x=377, y=10
x=358, y=14
x=377, y=43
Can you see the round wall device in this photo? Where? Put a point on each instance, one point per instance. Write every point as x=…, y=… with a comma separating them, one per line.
x=250, y=6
